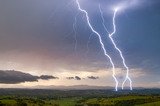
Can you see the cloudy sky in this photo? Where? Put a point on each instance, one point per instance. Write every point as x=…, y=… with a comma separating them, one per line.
x=52, y=37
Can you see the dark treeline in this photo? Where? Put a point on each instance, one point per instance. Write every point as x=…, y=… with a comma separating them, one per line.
x=42, y=93
x=48, y=97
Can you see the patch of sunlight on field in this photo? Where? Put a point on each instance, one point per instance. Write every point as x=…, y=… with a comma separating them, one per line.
x=8, y=102
x=151, y=104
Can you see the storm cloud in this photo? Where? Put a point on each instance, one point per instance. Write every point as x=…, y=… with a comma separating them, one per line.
x=37, y=36
x=47, y=77
x=93, y=77
x=74, y=78
x=69, y=78
x=15, y=77
x=77, y=78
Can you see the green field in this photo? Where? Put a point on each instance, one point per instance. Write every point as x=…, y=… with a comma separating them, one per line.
x=64, y=102
x=122, y=101
x=113, y=101
x=28, y=97
x=151, y=104
x=38, y=102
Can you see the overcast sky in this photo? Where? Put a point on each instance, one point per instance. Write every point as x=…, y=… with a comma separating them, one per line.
x=37, y=37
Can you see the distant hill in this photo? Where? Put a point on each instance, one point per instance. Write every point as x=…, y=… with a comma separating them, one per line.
x=74, y=87
x=77, y=87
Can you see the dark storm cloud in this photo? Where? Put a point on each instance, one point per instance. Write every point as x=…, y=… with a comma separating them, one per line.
x=77, y=78
x=142, y=50
x=73, y=78
x=15, y=77
x=47, y=77
x=69, y=78
x=93, y=77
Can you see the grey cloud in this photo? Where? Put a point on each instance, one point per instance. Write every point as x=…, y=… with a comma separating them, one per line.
x=47, y=77
x=69, y=78
x=77, y=78
x=74, y=78
x=15, y=77
x=93, y=77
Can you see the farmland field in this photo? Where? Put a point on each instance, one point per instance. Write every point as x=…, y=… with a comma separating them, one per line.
x=29, y=97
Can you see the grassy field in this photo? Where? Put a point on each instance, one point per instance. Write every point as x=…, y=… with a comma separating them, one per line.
x=151, y=104
x=64, y=102
x=115, y=101
x=79, y=98
x=122, y=101
x=8, y=102
x=36, y=102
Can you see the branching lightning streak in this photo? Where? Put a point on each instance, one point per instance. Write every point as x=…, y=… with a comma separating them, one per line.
x=113, y=42
x=100, y=40
x=120, y=52
x=103, y=21
x=75, y=33
x=88, y=43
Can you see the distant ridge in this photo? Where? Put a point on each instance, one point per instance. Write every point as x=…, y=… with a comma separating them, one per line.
x=74, y=87
x=79, y=87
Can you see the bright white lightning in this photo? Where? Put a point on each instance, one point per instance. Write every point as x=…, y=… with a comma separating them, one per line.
x=113, y=42
x=120, y=52
x=100, y=40
x=103, y=21
x=75, y=33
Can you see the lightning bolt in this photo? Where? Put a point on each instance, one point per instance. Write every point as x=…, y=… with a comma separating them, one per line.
x=120, y=52
x=100, y=40
x=75, y=33
x=103, y=21
x=113, y=42
x=88, y=43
